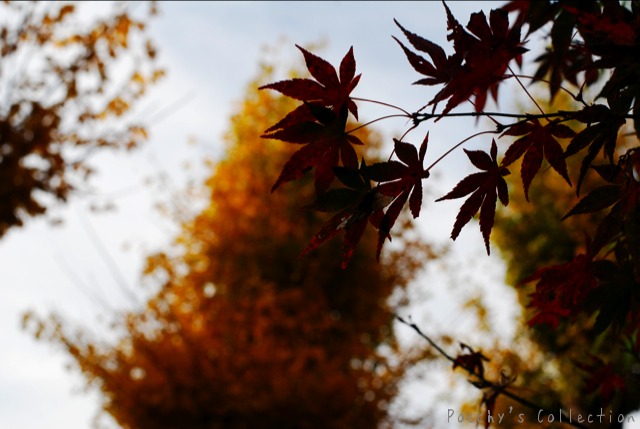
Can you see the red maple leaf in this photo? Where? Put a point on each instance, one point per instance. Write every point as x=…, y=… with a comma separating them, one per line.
x=364, y=205
x=536, y=14
x=328, y=89
x=601, y=133
x=537, y=141
x=561, y=290
x=482, y=56
x=487, y=48
x=443, y=68
x=399, y=180
x=320, y=122
x=325, y=144
x=472, y=361
x=608, y=33
x=485, y=189
x=602, y=379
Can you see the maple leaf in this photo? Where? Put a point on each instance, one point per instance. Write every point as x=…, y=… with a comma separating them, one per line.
x=601, y=133
x=598, y=199
x=536, y=14
x=328, y=89
x=320, y=122
x=402, y=181
x=471, y=361
x=614, y=295
x=363, y=205
x=485, y=189
x=488, y=48
x=602, y=379
x=608, y=33
x=620, y=192
x=325, y=144
x=482, y=56
x=443, y=68
x=562, y=60
x=561, y=289
x=537, y=141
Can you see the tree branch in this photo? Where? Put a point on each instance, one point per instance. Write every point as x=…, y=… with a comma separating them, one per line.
x=421, y=117
x=498, y=388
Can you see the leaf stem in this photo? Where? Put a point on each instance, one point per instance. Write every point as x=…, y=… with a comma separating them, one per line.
x=374, y=121
x=366, y=100
x=413, y=127
x=495, y=121
x=574, y=96
x=457, y=146
x=525, y=90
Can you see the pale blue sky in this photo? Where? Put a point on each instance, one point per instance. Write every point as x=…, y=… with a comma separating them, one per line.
x=211, y=50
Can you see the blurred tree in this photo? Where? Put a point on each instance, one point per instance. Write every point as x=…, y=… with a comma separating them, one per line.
x=66, y=90
x=244, y=333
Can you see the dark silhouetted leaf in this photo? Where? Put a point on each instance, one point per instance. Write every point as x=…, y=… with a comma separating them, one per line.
x=328, y=90
x=561, y=290
x=602, y=134
x=400, y=180
x=538, y=141
x=485, y=189
x=471, y=361
x=320, y=122
x=482, y=55
x=598, y=199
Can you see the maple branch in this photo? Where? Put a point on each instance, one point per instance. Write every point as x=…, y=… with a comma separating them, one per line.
x=429, y=340
x=421, y=117
x=457, y=146
x=525, y=90
x=496, y=387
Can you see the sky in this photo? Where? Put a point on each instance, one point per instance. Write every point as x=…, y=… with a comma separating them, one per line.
x=91, y=265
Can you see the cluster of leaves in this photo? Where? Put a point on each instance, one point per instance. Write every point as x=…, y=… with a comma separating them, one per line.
x=61, y=100
x=241, y=333
x=593, y=45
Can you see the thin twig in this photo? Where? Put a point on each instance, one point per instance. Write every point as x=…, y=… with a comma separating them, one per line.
x=108, y=260
x=421, y=117
x=525, y=90
x=457, y=146
x=500, y=389
x=376, y=120
x=574, y=96
x=366, y=100
x=96, y=299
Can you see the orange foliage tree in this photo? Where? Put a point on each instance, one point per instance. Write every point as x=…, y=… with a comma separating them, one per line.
x=243, y=333
x=66, y=90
